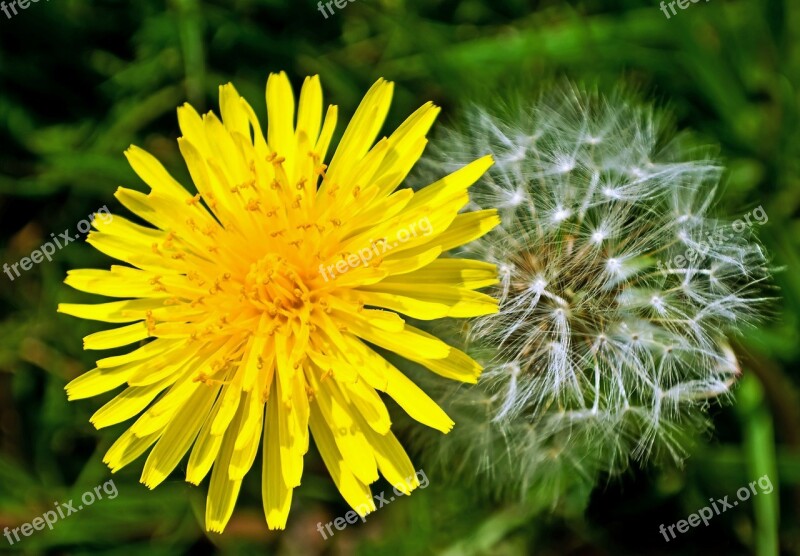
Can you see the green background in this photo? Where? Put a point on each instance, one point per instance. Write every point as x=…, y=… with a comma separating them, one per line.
x=80, y=81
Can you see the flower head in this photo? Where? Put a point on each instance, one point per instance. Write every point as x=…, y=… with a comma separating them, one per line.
x=257, y=300
x=617, y=287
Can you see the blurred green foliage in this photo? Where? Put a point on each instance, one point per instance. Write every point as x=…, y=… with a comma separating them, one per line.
x=80, y=81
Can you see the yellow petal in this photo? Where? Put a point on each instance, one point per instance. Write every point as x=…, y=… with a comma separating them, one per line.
x=127, y=404
x=249, y=436
x=288, y=436
x=457, y=365
x=369, y=406
x=351, y=444
x=393, y=461
x=328, y=127
x=463, y=273
x=127, y=448
x=152, y=349
x=227, y=406
x=233, y=113
x=309, y=112
x=280, y=114
x=117, y=311
x=355, y=492
x=97, y=381
x=123, y=281
x=116, y=337
x=431, y=301
x=178, y=436
x=410, y=343
x=384, y=376
x=406, y=145
x=276, y=496
x=360, y=133
x=463, y=229
x=153, y=173
x=205, y=449
x=453, y=184
x=222, y=490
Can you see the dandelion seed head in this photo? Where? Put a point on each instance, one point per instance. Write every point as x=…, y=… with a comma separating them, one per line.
x=617, y=344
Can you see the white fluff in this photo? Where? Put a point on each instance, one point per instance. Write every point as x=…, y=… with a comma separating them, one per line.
x=598, y=354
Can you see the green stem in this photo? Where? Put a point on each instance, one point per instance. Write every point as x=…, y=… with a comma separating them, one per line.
x=759, y=445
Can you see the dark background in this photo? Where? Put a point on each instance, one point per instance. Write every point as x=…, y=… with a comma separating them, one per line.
x=80, y=81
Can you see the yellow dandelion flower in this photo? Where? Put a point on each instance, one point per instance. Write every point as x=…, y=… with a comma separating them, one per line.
x=258, y=301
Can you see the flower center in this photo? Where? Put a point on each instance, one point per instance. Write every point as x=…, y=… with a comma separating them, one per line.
x=276, y=286
x=555, y=290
